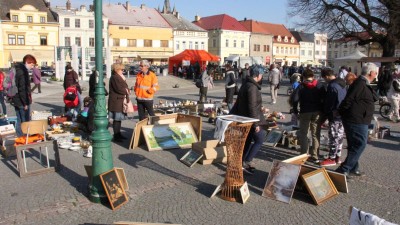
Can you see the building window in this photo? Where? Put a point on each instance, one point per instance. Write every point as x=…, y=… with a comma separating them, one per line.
x=116, y=42
x=291, y=51
x=267, y=48
x=21, y=40
x=11, y=39
x=91, y=42
x=102, y=42
x=15, y=18
x=309, y=53
x=183, y=45
x=67, y=41
x=66, y=22
x=131, y=42
x=196, y=45
x=295, y=51
x=177, y=45
x=77, y=23
x=121, y=28
x=286, y=50
x=345, y=45
x=43, y=40
x=242, y=44
x=91, y=23
x=202, y=46
x=258, y=48
x=234, y=43
x=164, y=43
x=214, y=43
x=318, y=42
x=43, y=19
x=303, y=52
x=316, y=52
x=190, y=45
x=29, y=19
x=148, y=43
x=336, y=45
x=227, y=43
x=255, y=47
x=78, y=41
x=344, y=53
x=323, y=53
x=336, y=54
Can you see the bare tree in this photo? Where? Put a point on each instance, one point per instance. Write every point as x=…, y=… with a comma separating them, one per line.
x=348, y=18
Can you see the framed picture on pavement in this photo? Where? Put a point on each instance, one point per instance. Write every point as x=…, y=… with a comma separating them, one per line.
x=244, y=192
x=273, y=137
x=191, y=157
x=319, y=185
x=113, y=188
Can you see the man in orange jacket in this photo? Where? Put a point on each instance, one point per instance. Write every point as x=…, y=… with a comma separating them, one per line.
x=145, y=87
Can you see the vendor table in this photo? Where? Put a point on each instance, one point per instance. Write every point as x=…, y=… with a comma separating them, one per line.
x=235, y=138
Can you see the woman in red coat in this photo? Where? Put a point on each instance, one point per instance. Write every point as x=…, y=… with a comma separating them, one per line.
x=118, y=90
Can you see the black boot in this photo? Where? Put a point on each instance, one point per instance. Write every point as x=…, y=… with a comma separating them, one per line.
x=117, y=138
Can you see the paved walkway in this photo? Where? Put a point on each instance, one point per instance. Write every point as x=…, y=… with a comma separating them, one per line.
x=161, y=189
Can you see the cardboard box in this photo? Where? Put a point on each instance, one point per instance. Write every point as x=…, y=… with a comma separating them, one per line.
x=212, y=151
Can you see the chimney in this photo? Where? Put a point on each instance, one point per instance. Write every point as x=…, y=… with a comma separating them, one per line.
x=177, y=15
x=142, y=6
x=83, y=7
x=127, y=6
x=47, y=3
x=245, y=18
x=197, y=18
x=68, y=5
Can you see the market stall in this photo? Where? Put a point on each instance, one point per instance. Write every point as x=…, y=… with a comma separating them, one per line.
x=192, y=56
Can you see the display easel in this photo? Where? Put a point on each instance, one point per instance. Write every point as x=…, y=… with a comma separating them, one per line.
x=235, y=138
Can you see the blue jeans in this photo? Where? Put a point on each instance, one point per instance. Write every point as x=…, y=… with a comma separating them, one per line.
x=3, y=104
x=250, y=150
x=357, y=136
x=22, y=116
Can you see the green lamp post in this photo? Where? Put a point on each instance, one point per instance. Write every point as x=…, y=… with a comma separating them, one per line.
x=102, y=159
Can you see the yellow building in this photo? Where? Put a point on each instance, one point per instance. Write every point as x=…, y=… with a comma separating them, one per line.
x=27, y=29
x=138, y=33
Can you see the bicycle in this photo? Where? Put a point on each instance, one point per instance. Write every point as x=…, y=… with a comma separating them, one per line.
x=385, y=108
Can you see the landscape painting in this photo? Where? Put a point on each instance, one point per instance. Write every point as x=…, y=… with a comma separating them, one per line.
x=168, y=136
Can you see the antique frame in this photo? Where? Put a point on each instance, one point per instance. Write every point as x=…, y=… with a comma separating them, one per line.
x=281, y=181
x=122, y=177
x=244, y=192
x=113, y=188
x=191, y=157
x=273, y=137
x=168, y=136
x=319, y=185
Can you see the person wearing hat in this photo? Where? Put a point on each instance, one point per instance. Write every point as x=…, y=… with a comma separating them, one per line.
x=249, y=104
x=335, y=93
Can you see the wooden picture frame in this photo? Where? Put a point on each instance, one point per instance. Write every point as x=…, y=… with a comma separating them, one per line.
x=273, y=137
x=281, y=181
x=168, y=136
x=164, y=119
x=113, y=188
x=122, y=177
x=244, y=192
x=319, y=185
x=239, y=119
x=191, y=157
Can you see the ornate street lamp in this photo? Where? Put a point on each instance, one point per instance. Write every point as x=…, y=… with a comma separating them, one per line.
x=102, y=159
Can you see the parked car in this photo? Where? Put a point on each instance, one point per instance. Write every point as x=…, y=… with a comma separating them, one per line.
x=133, y=70
x=47, y=71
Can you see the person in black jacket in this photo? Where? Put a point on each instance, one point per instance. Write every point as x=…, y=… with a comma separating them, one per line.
x=249, y=104
x=310, y=95
x=93, y=80
x=356, y=111
x=22, y=100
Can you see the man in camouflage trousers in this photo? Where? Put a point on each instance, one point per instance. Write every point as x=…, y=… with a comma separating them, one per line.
x=335, y=93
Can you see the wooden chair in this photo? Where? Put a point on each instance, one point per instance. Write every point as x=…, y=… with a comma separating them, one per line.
x=30, y=128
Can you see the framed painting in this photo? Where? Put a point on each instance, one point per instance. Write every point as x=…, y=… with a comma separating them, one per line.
x=122, y=177
x=240, y=119
x=273, y=137
x=244, y=192
x=168, y=136
x=191, y=157
x=319, y=185
x=281, y=181
x=113, y=188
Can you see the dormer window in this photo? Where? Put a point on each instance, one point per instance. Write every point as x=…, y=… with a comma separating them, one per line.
x=279, y=38
x=286, y=39
x=15, y=18
x=292, y=39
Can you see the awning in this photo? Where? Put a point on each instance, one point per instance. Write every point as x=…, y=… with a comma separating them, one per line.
x=40, y=55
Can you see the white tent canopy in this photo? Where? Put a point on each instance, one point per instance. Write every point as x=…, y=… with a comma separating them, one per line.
x=351, y=61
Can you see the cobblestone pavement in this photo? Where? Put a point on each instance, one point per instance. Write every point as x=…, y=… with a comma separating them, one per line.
x=161, y=189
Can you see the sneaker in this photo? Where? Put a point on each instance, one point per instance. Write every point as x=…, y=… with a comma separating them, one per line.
x=337, y=160
x=328, y=162
x=248, y=164
x=249, y=170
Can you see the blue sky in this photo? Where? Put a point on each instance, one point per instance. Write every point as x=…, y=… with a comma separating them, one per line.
x=273, y=11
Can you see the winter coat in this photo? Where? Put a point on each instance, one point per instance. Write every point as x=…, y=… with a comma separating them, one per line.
x=336, y=92
x=207, y=80
x=22, y=82
x=310, y=95
x=36, y=75
x=71, y=78
x=230, y=79
x=358, y=105
x=118, y=89
x=146, y=85
x=249, y=101
x=274, y=76
x=93, y=79
x=393, y=94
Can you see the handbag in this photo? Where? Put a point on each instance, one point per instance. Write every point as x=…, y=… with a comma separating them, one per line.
x=199, y=83
x=127, y=106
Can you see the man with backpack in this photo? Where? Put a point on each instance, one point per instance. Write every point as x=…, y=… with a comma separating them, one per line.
x=22, y=100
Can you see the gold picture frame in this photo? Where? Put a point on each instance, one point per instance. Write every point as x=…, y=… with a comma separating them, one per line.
x=114, y=189
x=319, y=185
x=169, y=136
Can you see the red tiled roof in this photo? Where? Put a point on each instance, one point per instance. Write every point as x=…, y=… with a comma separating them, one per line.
x=271, y=28
x=223, y=22
x=254, y=26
